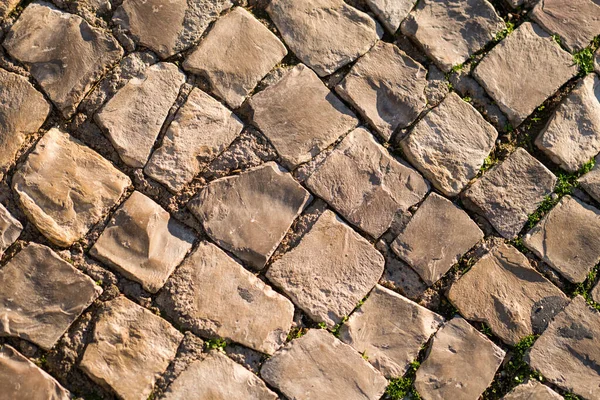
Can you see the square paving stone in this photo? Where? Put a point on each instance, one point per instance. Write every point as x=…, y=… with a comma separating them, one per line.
x=324, y=34
x=250, y=213
x=532, y=390
x=65, y=188
x=130, y=349
x=450, y=31
x=508, y=193
x=436, y=237
x=391, y=12
x=10, y=229
x=365, y=184
x=503, y=290
x=143, y=242
x=214, y=296
x=63, y=52
x=460, y=364
x=387, y=87
x=389, y=330
x=568, y=238
x=318, y=366
x=523, y=70
x=450, y=144
x=237, y=53
x=300, y=116
x=590, y=182
x=41, y=295
x=330, y=270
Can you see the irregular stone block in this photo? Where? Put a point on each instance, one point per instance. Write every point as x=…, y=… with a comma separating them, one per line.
x=65, y=188
x=590, y=182
x=532, y=390
x=10, y=229
x=391, y=12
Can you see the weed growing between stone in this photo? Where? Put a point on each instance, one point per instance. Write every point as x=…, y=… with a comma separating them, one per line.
x=585, y=57
x=401, y=388
x=215, y=344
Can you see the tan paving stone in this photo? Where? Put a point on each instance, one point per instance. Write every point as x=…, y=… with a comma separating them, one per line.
x=10, y=229
x=532, y=390
x=391, y=12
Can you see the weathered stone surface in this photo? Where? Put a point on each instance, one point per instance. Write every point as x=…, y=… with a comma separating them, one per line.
x=391, y=12
x=510, y=191
x=134, y=116
x=41, y=295
x=568, y=352
x=590, y=182
x=568, y=238
x=390, y=329
x=596, y=293
x=10, y=229
x=201, y=130
x=330, y=270
x=6, y=7
x=237, y=53
x=130, y=349
x=319, y=366
x=450, y=31
x=523, y=70
x=300, y=116
x=63, y=52
x=387, y=87
x=532, y=390
x=572, y=136
x=365, y=184
x=64, y=187
x=505, y=292
x=249, y=214
x=460, y=365
x=443, y=149
x=324, y=34
x=436, y=237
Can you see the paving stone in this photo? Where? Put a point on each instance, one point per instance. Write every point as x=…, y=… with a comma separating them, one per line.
x=7, y=6
x=318, y=366
x=567, y=353
x=65, y=188
x=134, y=116
x=590, y=182
x=324, y=34
x=444, y=151
x=506, y=194
x=63, y=52
x=461, y=363
x=596, y=293
x=503, y=290
x=436, y=237
x=532, y=390
x=450, y=31
x=237, y=53
x=387, y=87
x=523, y=70
x=365, y=184
x=300, y=116
x=130, y=349
x=329, y=271
x=41, y=295
x=10, y=229
x=22, y=379
x=374, y=331
x=391, y=12
x=201, y=130
x=568, y=238
x=249, y=214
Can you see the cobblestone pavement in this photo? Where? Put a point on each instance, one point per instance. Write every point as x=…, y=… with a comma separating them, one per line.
x=299, y=199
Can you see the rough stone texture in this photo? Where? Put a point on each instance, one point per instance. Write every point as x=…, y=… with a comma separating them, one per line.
x=64, y=187
x=450, y=31
x=572, y=136
x=41, y=295
x=590, y=182
x=532, y=390
x=130, y=349
x=567, y=353
x=63, y=52
x=461, y=363
x=237, y=53
x=134, y=116
x=568, y=238
x=201, y=130
x=10, y=229
x=330, y=270
x=6, y=7
x=390, y=329
x=510, y=191
x=444, y=150
x=318, y=366
x=505, y=292
x=436, y=237
x=596, y=293
x=324, y=34
x=523, y=70
x=391, y=12
x=387, y=87
x=365, y=184
x=300, y=116
x=249, y=214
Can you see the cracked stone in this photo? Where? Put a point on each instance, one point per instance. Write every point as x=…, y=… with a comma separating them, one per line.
x=391, y=12
x=590, y=182
x=532, y=390
x=10, y=229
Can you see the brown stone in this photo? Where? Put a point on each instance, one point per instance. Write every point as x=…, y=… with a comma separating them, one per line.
x=532, y=390
x=10, y=229
x=391, y=12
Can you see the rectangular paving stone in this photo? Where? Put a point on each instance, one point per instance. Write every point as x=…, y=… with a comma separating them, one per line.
x=532, y=390
x=10, y=229
x=391, y=12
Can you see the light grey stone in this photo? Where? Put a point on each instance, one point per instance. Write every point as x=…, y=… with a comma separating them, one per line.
x=391, y=12
x=10, y=229
x=590, y=182
x=532, y=390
